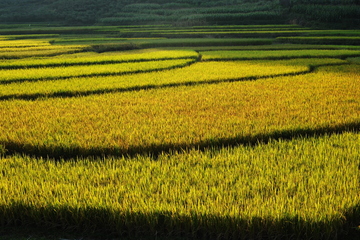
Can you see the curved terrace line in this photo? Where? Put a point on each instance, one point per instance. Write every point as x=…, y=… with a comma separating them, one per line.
x=6, y=82
x=67, y=64
x=67, y=153
x=70, y=94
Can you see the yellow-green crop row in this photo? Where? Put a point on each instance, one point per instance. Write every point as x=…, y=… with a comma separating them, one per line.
x=278, y=54
x=187, y=116
x=36, y=48
x=200, y=72
x=4, y=43
x=49, y=51
x=300, y=189
x=88, y=58
x=14, y=75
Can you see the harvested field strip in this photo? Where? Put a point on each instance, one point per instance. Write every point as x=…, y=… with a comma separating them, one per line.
x=198, y=73
x=283, y=187
x=184, y=117
x=278, y=54
x=91, y=58
x=51, y=73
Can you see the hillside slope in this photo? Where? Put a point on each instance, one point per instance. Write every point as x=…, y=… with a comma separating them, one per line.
x=332, y=13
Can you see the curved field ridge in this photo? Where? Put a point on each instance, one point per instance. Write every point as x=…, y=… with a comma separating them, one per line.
x=131, y=122
x=91, y=58
x=53, y=73
x=198, y=73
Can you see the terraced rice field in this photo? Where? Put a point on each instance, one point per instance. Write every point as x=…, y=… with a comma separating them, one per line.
x=242, y=143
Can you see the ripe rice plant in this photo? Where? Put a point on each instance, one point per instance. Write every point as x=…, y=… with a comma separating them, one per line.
x=299, y=189
x=14, y=53
x=180, y=148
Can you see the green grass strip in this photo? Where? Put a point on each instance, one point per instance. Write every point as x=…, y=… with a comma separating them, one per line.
x=279, y=54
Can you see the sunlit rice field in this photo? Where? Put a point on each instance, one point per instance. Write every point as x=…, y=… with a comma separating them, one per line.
x=248, y=143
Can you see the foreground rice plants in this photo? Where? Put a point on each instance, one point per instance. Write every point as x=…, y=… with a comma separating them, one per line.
x=186, y=145
x=304, y=188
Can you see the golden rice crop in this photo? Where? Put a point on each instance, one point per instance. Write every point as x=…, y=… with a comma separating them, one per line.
x=160, y=119
x=22, y=43
x=299, y=189
x=28, y=52
x=36, y=48
x=216, y=162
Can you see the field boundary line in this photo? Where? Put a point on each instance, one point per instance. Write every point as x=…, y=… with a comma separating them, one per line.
x=66, y=64
x=67, y=153
x=7, y=82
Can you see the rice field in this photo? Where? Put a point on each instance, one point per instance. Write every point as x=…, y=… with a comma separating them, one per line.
x=195, y=142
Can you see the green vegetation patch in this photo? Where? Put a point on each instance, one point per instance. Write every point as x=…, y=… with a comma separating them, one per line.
x=322, y=40
x=354, y=60
x=278, y=54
